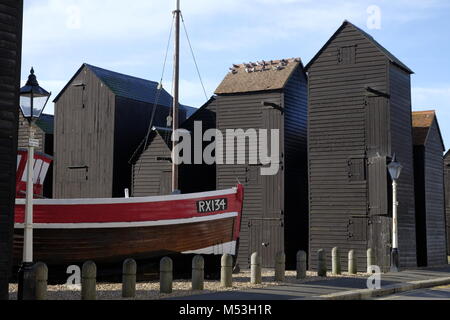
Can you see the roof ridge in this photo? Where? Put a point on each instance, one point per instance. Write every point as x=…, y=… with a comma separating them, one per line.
x=119, y=73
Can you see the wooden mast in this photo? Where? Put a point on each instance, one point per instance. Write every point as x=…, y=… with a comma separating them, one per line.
x=176, y=92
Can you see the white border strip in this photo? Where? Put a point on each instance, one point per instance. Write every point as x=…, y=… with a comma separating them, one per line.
x=130, y=200
x=112, y=225
x=218, y=249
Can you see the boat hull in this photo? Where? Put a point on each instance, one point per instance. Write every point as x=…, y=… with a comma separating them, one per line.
x=63, y=237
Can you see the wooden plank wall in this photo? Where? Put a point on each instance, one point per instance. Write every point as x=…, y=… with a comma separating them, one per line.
x=149, y=173
x=434, y=193
x=296, y=165
x=447, y=197
x=84, y=136
x=402, y=146
x=244, y=111
x=337, y=134
x=11, y=12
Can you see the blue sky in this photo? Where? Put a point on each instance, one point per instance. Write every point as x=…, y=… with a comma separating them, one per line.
x=131, y=37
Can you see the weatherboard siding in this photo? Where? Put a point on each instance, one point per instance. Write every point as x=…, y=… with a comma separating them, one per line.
x=84, y=136
x=336, y=135
x=402, y=146
x=447, y=197
x=434, y=193
x=11, y=12
x=149, y=172
x=353, y=128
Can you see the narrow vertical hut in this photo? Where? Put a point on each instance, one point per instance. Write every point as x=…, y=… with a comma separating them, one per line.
x=268, y=95
x=11, y=12
x=359, y=116
x=429, y=190
x=152, y=169
x=447, y=196
x=101, y=117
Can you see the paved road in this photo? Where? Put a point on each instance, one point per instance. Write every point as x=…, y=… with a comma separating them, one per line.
x=438, y=293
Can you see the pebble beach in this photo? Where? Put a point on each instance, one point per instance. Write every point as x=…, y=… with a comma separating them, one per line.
x=181, y=288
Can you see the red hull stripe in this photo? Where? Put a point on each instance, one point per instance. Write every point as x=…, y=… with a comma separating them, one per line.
x=112, y=225
x=127, y=210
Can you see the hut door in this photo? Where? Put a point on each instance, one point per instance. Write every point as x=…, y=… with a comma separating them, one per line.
x=266, y=236
x=377, y=125
x=273, y=185
x=165, y=183
x=378, y=186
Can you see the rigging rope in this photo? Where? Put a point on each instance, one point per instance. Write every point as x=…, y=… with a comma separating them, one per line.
x=158, y=94
x=193, y=57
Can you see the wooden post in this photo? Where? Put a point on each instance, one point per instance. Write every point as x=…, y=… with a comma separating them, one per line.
x=301, y=265
x=321, y=263
x=89, y=281
x=336, y=261
x=41, y=274
x=370, y=259
x=198, y=273
x=352, y=268
x=226, y=272
x=129, y=278
x=165, y=275
x=256, y=277
x=280, y=267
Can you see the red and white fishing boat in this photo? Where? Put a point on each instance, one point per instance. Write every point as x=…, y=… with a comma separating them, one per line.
x=67, y=232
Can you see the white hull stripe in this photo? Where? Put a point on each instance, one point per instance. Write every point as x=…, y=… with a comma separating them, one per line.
x=112, y=225
x=218, y=249
x=143, y=200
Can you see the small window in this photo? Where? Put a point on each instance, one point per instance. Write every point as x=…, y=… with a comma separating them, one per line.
x=356, y=169
x=347, y=55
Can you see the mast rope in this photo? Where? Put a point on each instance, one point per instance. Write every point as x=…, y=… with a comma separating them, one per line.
x=193, y=56
x=158, y=94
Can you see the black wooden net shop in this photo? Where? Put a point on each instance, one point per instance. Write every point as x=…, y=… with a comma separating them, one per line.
x=429, y=190
x=11, y=12
x=447, y=196
x=268, y=95
x=101, y=117
x=359, y=116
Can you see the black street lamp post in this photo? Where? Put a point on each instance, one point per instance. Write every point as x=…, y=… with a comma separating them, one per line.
x=395, y=169
x=33, y=100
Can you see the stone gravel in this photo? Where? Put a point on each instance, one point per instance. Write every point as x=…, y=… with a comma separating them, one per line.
x=150, y=290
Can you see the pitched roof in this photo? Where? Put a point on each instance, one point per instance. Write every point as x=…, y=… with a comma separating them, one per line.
x=46, y=123
x=421, y=123
x=130, y=87
x=383, y=50
x=447, y=154
x=258, y=76
x=164, y=133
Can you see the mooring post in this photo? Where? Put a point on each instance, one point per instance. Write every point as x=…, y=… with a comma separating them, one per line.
x=321, y=263
x=256, y=277
x=89, y=281
x=352, y=269
x=198, y=273
x=301, y=264
x=336, y=261
x=370, y=259
x=280, y=266
x=41, y=274
x=226, y=271
x=129, y=278
x=165, y=275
